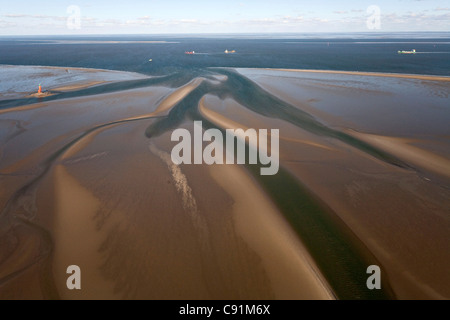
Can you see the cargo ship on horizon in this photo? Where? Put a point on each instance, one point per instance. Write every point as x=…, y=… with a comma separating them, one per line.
x=413, y=51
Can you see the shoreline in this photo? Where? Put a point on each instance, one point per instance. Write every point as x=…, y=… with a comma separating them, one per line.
x=358, y=73
x=325, y=71
x=21, y=81
x=75, y=68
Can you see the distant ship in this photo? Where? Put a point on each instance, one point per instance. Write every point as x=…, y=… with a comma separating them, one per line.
x=232, y=51
x=189, y=52
x=413, y=51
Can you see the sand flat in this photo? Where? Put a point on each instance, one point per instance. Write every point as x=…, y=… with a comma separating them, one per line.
x=369, y=74
x=77, y=240
x=292, y=271
x=21, y=81
x=83, y=178
x=414, y=155
x=47, y=126
x=353, y=183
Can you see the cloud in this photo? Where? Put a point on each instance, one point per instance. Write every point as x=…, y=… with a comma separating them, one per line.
x=421, y=21
x=189, y=21
x=15, y=15
x=339, y=21
x=7, y=24
x=35, y=16
x=309, y=23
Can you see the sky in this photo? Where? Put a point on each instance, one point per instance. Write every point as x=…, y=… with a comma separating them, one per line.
x=45, y=17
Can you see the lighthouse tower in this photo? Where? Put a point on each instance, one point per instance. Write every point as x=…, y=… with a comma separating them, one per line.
x=40, y=89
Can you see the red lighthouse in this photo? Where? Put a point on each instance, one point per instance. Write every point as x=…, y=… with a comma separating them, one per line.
x=40, y=89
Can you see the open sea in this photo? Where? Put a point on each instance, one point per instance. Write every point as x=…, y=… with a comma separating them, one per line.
x=374, y=52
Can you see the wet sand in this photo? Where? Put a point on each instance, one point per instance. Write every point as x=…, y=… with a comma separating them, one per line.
x=370, y=74
x=89, y=181
x=23, y=81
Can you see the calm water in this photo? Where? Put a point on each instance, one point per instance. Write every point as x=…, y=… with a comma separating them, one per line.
x=355, y=52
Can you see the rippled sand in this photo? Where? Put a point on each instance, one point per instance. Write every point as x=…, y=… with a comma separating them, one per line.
x=88, y=180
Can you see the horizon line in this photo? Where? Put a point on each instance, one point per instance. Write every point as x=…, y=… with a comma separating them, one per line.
x=226, y=34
